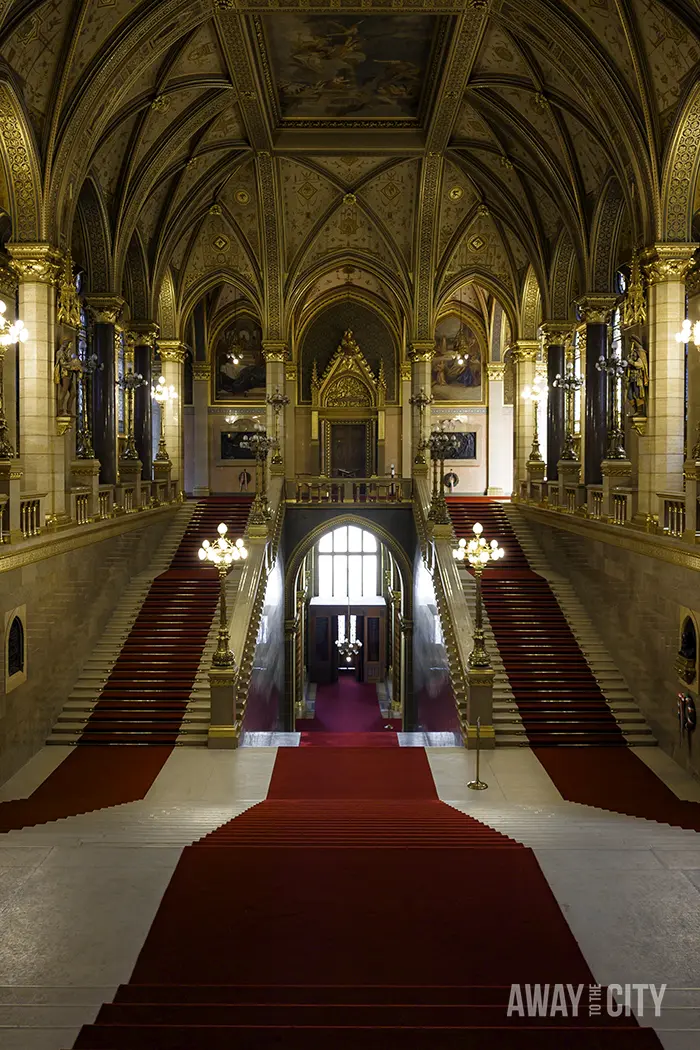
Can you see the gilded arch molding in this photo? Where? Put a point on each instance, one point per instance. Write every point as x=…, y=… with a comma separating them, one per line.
x=92, y=214
x=606, y=227
x=22, y=168
x=681, y=173
x=167, y=315
x=531, y=306
x=312, y=537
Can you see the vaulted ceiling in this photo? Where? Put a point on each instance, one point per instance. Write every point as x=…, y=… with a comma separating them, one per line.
x=190, y=148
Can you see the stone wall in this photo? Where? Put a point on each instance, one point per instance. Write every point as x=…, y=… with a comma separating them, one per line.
x=68, y=598
x=635, y=603
x=432, y=706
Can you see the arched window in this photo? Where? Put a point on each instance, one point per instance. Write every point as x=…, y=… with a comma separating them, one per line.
x=348, y=564
x=15, y=648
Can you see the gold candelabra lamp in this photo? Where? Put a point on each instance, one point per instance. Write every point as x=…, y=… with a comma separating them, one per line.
x=130, y=382
x=278, y=400
x=259, y=444
x=163, y=395
x=478, y=552
x=84, y=448
x=10, y=332
x=535, y=393
x=222, y=554
x=570, y=383
x=421, y=400
x=440, y=444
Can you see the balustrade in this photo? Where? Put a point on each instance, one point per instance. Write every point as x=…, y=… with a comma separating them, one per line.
x=352, y=490
x=673, y=512
x=595, y=502
x=619, y=502
x=30, y=516
x=82, y=508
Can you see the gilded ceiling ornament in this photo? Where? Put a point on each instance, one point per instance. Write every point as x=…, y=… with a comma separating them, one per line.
x=242, y=197
x=215, y=209
x=541, y=101
x=506, y=162
x=161, y=103
x=68, y=306
x=482, y=211
x=456, y=193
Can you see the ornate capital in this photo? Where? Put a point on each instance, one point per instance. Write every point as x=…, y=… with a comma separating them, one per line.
x=105, y=309
x=525, y=350
x=171, y=350
x=142, y=333
x=290, y=371
x=274, y=350
x=201, y=371
x=495, y=370
x=556, y=333
x=422, y=350
x=40, y=263
x=668, y=262
x=405, y=371
x=595, y=308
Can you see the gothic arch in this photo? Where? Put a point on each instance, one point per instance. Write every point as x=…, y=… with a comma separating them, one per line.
x=491, y=284
x=167, y=312
x=681, y=170
x=135, y=279
x=91, y=214
x=563, y=278
x=381, y=535
x=606, y=228
x=531, y=306
x=20, y=160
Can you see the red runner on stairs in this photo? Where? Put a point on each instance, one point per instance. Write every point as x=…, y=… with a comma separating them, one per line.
x=556, y=693
x=146, y=695
x=348, y=708
x=334, y=913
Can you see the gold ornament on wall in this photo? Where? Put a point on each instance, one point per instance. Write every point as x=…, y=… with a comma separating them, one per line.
x=634, y=308
x=68, y=306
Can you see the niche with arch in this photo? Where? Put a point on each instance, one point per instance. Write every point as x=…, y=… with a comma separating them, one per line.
x=687, y=658
x=15, y=648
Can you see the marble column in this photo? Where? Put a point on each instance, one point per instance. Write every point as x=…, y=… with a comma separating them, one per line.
x=142, y=334
x=105, y=310
x=202, y=382
x=595, y=309
x=661, y=458
x=525, y=356
x=554, y=334
x=42, y=448
x=275, y=354
x=172, y=358
x=500, y=434
x=421, y=354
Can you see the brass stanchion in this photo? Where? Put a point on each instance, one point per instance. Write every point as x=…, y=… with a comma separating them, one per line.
x=477, y=784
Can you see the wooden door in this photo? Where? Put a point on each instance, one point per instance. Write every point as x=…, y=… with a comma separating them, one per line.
x=348, y=450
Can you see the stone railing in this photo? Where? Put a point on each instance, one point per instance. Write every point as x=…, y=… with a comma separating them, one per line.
x=672, y=512
x=349, y=490
x=23, y=515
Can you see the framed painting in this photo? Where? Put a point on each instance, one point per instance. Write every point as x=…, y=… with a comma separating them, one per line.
x=457, y=364
x=239, y=361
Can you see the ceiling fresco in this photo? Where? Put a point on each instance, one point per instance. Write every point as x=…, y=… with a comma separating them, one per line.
x=329, y=67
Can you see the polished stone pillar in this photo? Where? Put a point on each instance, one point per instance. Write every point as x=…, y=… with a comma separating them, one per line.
x=202, y=381
x=406, y=466
x=500, y=427
x=105, y=310
x=524, y=355
x=595, y=310
x=142, y=335
x=554, y=334
x=290, y=389
x=421, y=355
x=662, y=448
x=42, y=448
x=172, y=358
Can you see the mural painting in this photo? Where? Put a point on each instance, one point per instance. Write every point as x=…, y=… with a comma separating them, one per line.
x=349, y=66
x=240, y=365
x=456, y=366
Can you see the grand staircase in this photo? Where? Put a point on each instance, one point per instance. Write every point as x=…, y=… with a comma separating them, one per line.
x=146, y=682
x=550, y=681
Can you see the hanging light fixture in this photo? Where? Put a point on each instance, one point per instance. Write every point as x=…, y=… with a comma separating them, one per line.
x=235, y=354
x=461, y=347
x=689, y=333
x=349, y=647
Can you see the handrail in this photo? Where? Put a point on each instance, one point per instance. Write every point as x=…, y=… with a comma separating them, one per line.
x=322, y=489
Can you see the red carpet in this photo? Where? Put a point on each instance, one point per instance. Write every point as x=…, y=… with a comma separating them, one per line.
x=274, y=934
x=556, y=693
x=345, y=706
x=146, y=694
x=617, y=780
x=87, y=780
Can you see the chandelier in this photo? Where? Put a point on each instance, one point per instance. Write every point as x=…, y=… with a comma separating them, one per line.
x=461, y=347
x=349, y=646
x=11, y=333
x=689, y=333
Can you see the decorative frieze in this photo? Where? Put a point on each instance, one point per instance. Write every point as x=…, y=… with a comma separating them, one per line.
x=201, y=371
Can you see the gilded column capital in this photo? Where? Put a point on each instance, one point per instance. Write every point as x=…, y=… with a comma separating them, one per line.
x=668, y=262
x=495, y=370
x=290, y=371
x=171, y=350
x=422, y=350
x=525, y=349
x=105, y=309
x=274, y=350
x=201, y=371
x=142, y=333
x=596, y=307
x=40, y=263
x=556, y=333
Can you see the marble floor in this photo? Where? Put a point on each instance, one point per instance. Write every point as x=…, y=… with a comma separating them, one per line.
x=77, y=896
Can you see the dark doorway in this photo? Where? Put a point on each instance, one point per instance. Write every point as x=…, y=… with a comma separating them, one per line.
x=348, y=450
